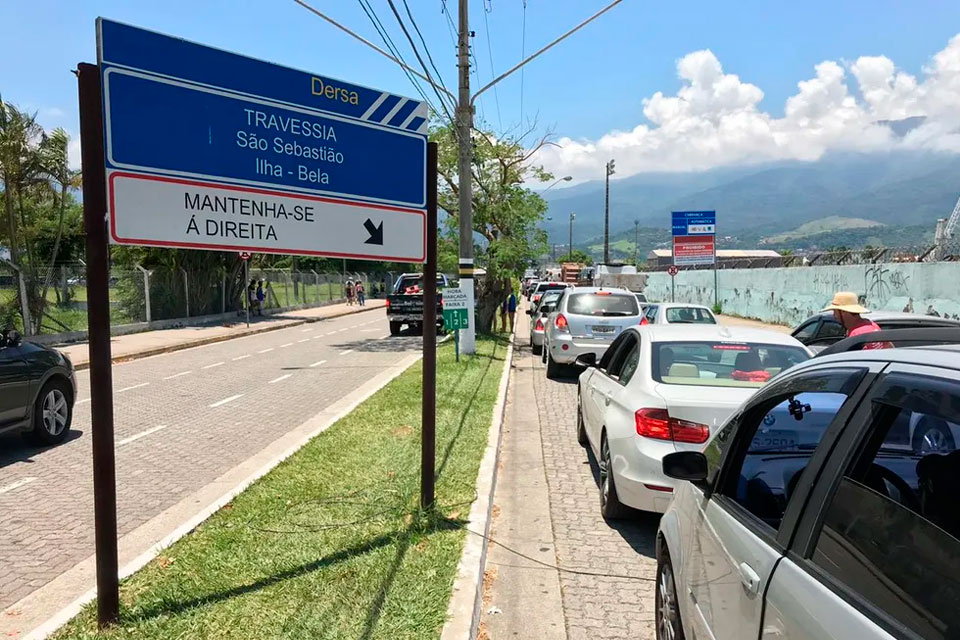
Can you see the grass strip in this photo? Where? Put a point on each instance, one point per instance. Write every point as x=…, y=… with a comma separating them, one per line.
x=330, y=544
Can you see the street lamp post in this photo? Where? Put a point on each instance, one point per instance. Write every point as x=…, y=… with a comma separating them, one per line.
x=563, y=179
x=570, y=246
x=606, y=216
x=636, y=236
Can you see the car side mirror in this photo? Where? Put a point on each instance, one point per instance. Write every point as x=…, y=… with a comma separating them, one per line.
x=587, y=360
x=685, y=465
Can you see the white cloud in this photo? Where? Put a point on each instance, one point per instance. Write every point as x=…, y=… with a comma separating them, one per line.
x=73, y=152
x=714, y=119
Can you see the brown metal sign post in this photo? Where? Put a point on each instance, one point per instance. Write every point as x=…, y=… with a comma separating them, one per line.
x=98, y=318
x=428, y=418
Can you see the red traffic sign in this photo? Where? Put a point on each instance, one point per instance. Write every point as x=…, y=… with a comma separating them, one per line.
x=673, y=271
x=245, y=255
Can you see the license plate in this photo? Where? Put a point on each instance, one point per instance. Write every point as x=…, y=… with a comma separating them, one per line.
x=775, y=440
x=604, y=329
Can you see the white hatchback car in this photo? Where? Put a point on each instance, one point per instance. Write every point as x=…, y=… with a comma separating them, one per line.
x=660, y=389
x=678, y=313
x=808, y=516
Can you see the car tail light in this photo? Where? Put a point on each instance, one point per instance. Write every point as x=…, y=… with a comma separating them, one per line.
x=561, y=323
x=388, y=303
x=539, y=326
x=644, y=321
x=657, y=424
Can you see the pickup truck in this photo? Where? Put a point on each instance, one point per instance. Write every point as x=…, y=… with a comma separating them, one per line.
x=405, y=304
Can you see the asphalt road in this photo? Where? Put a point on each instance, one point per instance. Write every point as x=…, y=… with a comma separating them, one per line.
x=181, y=420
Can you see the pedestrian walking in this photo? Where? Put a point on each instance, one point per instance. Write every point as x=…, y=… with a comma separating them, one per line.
x=503, y=317
x=512, y=308
x=361, y=294
x=848, y=311
x=349, y=292
x=261, y=296
x=252, y=296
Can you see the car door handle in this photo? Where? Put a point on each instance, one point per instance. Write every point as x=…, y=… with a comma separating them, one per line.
x=749, y=578
x=607, y=398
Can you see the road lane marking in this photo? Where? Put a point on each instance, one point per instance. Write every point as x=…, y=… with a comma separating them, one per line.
x=317, y=337
x=136, y=386
x=307, y=330
x=241, y=357
x=368, y=330
x=304, y=340
x=83, y=401
x=225, y=401
x=317, y=364
x=177, y=375
x=141, y=435
x=283, y=377
x=211, y=366
x=343, y=353
x=344, y=329
x=284, y=346
x=331, y=333
x=16, y=485
x=265, y=350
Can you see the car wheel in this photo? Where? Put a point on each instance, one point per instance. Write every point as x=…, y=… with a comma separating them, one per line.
x=666, y=607
x=933, y=436
x=395, y=328
x=543, y=353
x=553, y=368
x=581, y=428
x=610, y=506
x=52, y=413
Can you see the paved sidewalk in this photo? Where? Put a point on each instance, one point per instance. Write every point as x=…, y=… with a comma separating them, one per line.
x=149, y=343
x=734, y=321
x=547, y=507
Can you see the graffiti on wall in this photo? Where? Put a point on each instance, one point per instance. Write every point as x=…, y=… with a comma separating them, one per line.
x=880, y=283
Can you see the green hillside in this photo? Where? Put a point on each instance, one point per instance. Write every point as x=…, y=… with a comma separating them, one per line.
x=823, y=225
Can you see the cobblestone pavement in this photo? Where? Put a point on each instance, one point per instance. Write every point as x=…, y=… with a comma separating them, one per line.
x=594, y=607
x=181, y=420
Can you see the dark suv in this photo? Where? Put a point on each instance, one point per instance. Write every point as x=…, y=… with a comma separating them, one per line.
x=37, y=390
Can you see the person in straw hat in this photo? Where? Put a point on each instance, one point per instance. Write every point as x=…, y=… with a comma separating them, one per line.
x=848, y=311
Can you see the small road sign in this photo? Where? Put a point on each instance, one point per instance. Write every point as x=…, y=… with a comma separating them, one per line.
x=694, y=237
x=245, y=255
x=211, y=150
x=673, y=271
x=455, y=309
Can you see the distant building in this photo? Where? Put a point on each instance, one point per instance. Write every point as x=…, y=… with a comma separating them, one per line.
x=730, y=258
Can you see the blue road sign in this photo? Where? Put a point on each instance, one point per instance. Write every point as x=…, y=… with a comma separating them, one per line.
x=694, y=223
x=213, y=150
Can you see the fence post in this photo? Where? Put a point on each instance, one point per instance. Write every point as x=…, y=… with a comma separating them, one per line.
x=223, y=291
x=186, y=290
x=316, y=284
x=146, y=290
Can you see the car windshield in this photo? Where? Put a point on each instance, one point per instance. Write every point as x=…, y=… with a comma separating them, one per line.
x=689, y=315
x=722, y=364
x=603, y=303
x=552, y=286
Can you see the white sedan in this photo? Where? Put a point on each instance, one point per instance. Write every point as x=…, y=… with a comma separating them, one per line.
x=660, y=389
x=677, y=313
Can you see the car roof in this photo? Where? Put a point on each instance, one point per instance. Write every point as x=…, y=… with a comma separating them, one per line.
x=714, y=332
x=881, y=316
x=611, y=290
x=944, y=356
x=682, y=305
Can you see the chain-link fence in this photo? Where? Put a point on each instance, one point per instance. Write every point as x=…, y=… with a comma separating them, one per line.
x=944, y=252
x=58, y=299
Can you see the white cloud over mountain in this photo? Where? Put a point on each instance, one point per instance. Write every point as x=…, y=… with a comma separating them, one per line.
x=714, y=119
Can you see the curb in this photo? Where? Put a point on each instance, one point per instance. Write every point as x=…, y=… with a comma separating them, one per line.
x=463, y=611
x=155, y=351
x=143, y=544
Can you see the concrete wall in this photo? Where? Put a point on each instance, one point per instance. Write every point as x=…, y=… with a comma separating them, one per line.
x=789, y=295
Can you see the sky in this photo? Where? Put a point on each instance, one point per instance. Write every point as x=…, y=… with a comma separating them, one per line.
x=657, y=86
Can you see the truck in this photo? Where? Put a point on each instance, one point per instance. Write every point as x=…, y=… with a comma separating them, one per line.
x=405, y=304
x=570, y=272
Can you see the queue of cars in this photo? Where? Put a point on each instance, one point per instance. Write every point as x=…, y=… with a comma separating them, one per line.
x=802, y=497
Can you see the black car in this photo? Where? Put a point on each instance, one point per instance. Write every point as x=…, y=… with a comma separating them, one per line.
x=37, y=390
x=821, y=330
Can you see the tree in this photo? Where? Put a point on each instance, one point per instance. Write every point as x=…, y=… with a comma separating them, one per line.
x=577, y=255
x=505, y=212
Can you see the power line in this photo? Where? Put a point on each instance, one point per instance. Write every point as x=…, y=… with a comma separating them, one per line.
x=493, y=73
x=416, y=52
x=424, y=43
x=388, y=41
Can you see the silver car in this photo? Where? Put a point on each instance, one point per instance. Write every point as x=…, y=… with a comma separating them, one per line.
x=808, y=516
x=538, y=318
x=678, y=313
x=586, y=320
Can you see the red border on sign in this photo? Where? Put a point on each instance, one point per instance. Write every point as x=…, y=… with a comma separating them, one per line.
x=255, y=249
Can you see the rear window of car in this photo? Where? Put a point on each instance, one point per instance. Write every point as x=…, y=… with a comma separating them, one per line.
x=550, y=286
x=722, y=364
x=603, y=303
x=689, y=315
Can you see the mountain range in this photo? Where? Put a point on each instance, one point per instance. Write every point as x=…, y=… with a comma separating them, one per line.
x=757, y=202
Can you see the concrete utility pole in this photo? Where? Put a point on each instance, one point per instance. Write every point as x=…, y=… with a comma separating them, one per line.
x=606, y=216
x=636, y=236
x=570, y=246
x=464, y=129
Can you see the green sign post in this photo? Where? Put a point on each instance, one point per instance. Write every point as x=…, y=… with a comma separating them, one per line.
x=455, y=314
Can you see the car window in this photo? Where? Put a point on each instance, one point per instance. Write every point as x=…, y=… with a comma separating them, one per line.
x=602, y=303
x=830, y=329
x=651, y=313
x=689, y=315
x=621, y=356
x=607, y=357
x=777, y=436
x=721, y=364
x=891, y=531
x=630, y=364
x=807, y=331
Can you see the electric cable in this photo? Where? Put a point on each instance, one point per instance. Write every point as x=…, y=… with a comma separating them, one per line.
x=493, y=73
